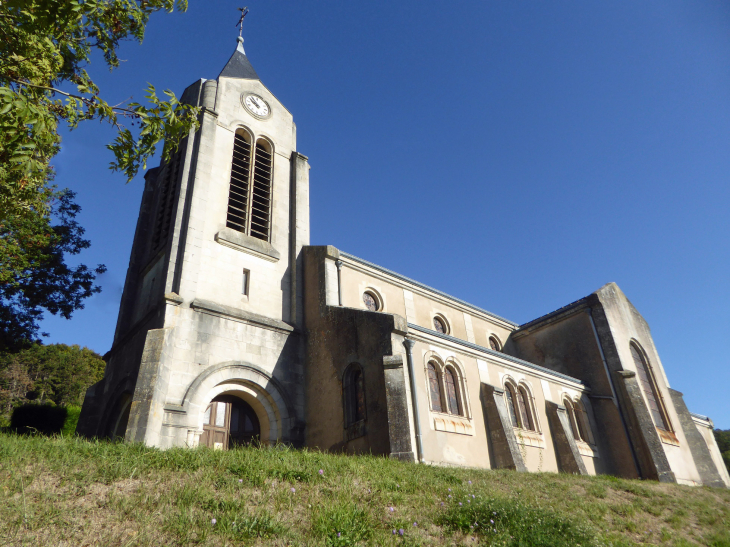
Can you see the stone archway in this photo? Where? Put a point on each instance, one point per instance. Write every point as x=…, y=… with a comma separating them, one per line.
x=249, y=383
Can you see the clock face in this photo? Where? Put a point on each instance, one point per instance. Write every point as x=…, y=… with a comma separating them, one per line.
x=256, y=105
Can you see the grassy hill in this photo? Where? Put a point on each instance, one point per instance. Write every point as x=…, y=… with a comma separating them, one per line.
x=66, y=491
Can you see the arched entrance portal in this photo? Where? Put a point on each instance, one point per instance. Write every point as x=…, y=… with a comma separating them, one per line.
x=229, y=421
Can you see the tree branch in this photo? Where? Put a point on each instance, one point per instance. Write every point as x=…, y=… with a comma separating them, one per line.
x=73, y=96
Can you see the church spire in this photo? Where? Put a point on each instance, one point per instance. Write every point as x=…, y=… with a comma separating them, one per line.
x=238, y=65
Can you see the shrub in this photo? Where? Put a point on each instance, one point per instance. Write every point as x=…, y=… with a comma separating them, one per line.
x=45, y=419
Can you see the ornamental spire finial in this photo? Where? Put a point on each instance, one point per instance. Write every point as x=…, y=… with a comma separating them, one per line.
x=244, y=13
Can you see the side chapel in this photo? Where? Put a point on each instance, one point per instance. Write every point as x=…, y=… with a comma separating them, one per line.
x=233, y=329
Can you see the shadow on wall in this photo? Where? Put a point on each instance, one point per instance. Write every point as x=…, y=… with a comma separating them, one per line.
x=44, y=419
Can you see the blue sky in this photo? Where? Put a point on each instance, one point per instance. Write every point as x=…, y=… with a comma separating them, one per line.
x=517, y=155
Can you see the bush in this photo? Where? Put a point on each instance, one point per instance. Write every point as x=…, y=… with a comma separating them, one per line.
x=45, y=419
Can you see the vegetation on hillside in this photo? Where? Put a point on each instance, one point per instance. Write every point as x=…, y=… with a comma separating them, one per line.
x=76, y=492
x=722, y=436
x=57, y=374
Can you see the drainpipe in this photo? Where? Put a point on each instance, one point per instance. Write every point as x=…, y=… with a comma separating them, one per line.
x=338, y=263
x=417, y=425
x=613, y=390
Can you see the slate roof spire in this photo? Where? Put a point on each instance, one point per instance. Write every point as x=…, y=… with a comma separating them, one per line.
x=238, y=65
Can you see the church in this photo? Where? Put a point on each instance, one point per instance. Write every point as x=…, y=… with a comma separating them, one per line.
x=233, y=329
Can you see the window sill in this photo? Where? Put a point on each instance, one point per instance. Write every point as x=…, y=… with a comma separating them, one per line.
x=586, y=449
x=247, y=244
x=667, y=437
x=450, y=423
x=529, y=438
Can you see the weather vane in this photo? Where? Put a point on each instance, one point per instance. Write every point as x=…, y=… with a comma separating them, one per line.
x=244, y=13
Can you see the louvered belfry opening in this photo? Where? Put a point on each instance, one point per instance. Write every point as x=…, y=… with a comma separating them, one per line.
x=261, y=195
x=238, y=194
x=167, y=201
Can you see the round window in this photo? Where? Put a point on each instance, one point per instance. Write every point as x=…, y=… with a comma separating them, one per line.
x=371, y=302
x=494, y=344
x=439, y=325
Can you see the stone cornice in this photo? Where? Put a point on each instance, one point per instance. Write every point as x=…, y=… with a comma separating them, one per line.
x=499, y=356
x=429, y=291
x=238, y=314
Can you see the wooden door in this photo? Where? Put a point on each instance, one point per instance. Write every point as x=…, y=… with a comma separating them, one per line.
x=216, y=425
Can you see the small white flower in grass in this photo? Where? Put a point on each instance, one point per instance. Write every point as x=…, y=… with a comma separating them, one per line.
x=461, y=503
x=240, y=480
x=469, y=482
x=394, y=532
x=491, y=521
x=415, y=524
x=213, y=521
x=449, y=489
x=468, y=501
x=401, y=531
x=339, y=534
x=321, y=471
x=449, y=495
x=293, y=490
x=473, y=497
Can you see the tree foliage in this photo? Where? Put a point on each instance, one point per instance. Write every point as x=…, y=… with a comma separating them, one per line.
x=722, y=436
x=56, y=373
x=42, y=279
x=45, y=50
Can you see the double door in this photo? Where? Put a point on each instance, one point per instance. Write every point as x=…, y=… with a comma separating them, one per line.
x=229, y=421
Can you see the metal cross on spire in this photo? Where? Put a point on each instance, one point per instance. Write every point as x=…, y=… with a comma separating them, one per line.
x=244, y=13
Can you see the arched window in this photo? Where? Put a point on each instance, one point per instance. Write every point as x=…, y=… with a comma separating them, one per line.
x=354, y=388
x=371, y=300
x=452, y=394
x=434, y=388
x=519, y=405
x=523, y=401
x=577, y=418
x=571, y=418
x=648, y=386
x=261, y=195
x=439, y=325
x=494, y=343
x=249, y=195
x=509, y=393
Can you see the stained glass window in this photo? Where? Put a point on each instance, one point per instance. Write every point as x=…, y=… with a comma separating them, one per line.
x=525, y=414
x=511, y=405
x=451, y=396
x=433, y=384
x=439, y=326
x=494, y=344
x=370, y=302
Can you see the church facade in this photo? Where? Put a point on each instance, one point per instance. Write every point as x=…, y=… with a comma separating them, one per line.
x=232, y=329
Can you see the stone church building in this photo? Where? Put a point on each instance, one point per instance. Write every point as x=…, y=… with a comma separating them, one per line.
x=233, y=329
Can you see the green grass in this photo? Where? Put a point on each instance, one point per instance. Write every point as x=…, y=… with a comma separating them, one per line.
x=68, y=491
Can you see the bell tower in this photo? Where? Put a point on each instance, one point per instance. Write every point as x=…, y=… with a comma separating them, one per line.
x=211, y=312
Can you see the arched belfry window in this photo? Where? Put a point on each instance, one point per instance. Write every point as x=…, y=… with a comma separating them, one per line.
x=434, y=387
x=649, y=387
x=261, y=195
x=249, y=196
x=354, y=388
